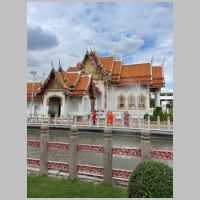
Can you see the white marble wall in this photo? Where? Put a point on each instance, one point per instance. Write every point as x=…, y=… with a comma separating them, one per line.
x=39, y=110
x=114, y=92
x=82, y=105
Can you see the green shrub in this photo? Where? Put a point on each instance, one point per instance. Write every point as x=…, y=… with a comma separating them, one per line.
x=165, y=115
x=156, y=111
x=151, y=179
x=146, y=116
x=152, y=104
x=171, y=116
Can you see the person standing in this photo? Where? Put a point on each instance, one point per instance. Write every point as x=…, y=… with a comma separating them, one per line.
x=126, y=118
x=94, y=117
x=111, y=119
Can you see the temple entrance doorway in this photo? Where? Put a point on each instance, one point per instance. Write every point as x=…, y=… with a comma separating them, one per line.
x=54, y=106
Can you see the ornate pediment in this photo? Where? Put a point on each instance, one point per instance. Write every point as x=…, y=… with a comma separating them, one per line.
x=53, y=85
x=90, y=68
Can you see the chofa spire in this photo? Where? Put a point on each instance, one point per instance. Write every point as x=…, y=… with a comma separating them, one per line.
x=60, y=68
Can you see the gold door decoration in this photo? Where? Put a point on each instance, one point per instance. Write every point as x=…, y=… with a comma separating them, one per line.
x=121, y=102
x=131, y=102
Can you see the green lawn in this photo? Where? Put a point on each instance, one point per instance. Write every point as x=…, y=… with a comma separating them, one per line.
x=50, y=187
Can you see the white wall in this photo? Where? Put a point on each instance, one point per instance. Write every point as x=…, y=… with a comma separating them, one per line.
x=37, y=103
x=114, y=92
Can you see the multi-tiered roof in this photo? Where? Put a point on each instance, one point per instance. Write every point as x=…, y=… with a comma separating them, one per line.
x=76, y=82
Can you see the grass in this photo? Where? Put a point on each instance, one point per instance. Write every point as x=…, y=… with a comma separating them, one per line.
x=52, y=187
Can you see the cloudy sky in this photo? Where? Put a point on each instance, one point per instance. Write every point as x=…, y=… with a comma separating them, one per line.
x=63, y=31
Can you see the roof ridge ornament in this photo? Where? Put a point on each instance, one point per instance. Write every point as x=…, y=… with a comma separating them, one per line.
x=52, y=64
x=152, y=60
x=163, y=62
x=60, y=68
x=163, y=67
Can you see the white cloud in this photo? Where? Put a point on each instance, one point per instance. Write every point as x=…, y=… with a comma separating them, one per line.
x=136, y=30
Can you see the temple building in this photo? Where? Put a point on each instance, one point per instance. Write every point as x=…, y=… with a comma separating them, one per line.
x=100, y=83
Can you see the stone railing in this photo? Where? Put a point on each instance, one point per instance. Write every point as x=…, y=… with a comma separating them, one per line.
x=102, y=122
x=107, y=172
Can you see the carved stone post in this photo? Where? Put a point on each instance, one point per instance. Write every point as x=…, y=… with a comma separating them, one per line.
x=44, y=139
x=168, y=123
x=42, y=118
x=49, y=119
x=75, y=120
x=30, y=118
x=139, y=122
x=68, y=120
x=62, y=120
x=98, y=124
x=37, y=118
x=106, y=121
x=107, y=156
x=145, y=145
x=90, y=122
x=132, y=121
x=149, y=122
x=56, y=119
x=158, y=121
x=114, y=121
x=73, y=153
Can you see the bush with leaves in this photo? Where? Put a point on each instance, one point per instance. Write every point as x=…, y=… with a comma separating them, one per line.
x=146, y=116
x=151, y=179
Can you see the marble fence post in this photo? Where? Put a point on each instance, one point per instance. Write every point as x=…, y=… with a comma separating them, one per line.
x=44, y=139
x=55, y=119
x=62, y=119
x=107, y=156
x=168, y=123
x=73, y=153
x=49, y=119
x=106, y=120
x=145, y=145
x=139, y=122
x=90, y=122
x=42, y=118
x=158, y=121
x=98, y=120
x=148, y=122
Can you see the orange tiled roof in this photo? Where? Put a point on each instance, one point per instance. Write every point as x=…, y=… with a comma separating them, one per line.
x=107, y=63
x=137, y=73
x=73, y=83
x=136, y=70
x=71, y=69
x=116, y=67
x=158, y=79
x=30, y=87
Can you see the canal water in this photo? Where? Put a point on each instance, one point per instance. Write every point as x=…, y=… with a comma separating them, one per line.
x=96, y=159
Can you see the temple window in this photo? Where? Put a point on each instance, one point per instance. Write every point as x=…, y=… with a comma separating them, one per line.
x=121, y=102
x=142, y=101
x=131, y=102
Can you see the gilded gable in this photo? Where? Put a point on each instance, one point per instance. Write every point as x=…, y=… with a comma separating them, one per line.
x=53, y=85
x=90, y=68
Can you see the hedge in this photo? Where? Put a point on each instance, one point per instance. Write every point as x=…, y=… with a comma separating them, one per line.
x=151, y=179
